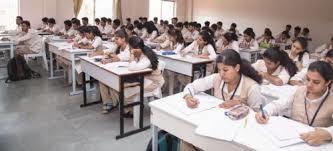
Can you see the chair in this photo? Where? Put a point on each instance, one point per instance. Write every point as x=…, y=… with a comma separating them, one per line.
x=41, y=53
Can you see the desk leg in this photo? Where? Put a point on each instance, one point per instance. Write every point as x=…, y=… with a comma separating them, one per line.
x=154, y=138
x=205, y=70
x=51, y=66
x=74, y=92
x=141, y=100
x=12, y=51
x=171, y=83
x=121, y=106
x=84, y=88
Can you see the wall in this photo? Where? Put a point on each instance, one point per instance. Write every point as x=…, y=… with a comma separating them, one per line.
x=134, y=8
x=269, y=13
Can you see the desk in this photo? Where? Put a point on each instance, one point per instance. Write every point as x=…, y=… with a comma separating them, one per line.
x=183, y=65
x=166, y=117
x=64, y=49
x=115, y=77
x=11, y=46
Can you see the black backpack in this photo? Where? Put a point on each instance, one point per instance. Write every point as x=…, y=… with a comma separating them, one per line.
x=166, y=142
x=18, y=69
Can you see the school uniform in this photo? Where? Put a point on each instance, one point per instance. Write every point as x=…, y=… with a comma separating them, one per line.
x=70, y=32
x=298, y=107
x=323, y=49
x=219, y=33
x=280, y=72
x=304, y=63
x=162, y=38
x=97, y=43
x=32, y=43
x=42, y=26
x=221, y=47
x=194, y=35
x=252, y=45
x=55, y=29
x=138, y=31
x=207, y=50
x=175, y=47
x=107, y=29
x=149, y=36
x=185, y=31
x=300, y=76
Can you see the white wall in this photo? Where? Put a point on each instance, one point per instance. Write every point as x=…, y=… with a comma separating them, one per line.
x=134, y=9
x=275, y=14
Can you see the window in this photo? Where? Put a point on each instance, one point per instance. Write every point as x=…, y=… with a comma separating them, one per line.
x=8, y=12
x=96, y=9
x=163, y=9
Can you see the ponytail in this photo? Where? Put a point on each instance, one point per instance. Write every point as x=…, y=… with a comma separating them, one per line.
x=207, y=37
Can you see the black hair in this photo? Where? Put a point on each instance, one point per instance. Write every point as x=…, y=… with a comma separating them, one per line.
x=121, y=34
x=193, y=24
x=116, y=22
x=109, y=20
x=214, y=27
x=136, y=22
x=179, y=24
x=94, y=30
x=286, y=33
x=44, y=19
x=185, y=24
x=97, y=20
x=85, y=19
x=329, y=54
x=171, y=27
x=230, y=37
x=297, y=28
x=219, y=23
x=208, y=30
x=288, y=26
x=155, y=19
x=275, y=55
x=207, y=23
x=249, y=32
x=198, y=26
x=150, y=26
x=77, y=22
x=83, y=29
x=207, y=37
x=268, y=32
x=128, y=19
x=139, y=26
x=137, y=43
x=51, y=21
x=175, y=18
x=104, y=19
x=233, y=25
x=306, y=30
x=304, y=45
x=324, y=69
x=231, y=57
x=68, y=22
x=19, y=17
x=26, y=22
x=166, y=22
x=178, y=34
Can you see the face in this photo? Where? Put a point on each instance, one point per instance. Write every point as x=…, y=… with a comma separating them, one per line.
x=315, y=83
x=247, y=38
x=329, y=60
x=225, y=41
x=89, y=35
x=284, y=36
x=75, y=26
x=18, y=21
x=288, y=28
x=190, y=28
x=227, y=73
x=103, y=23
x=25, y=27
x=119, y=41
x=270, y=65
x=84, y=22
x=51, y=25
x=200, y=41
x=67, y=27
x=296, y=48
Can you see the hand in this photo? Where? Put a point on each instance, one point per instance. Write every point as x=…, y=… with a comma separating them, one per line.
x=106, y=61
x=260, y=119
x=229, y=104
x=317, y=137
x=295, y=82
x=191, y=102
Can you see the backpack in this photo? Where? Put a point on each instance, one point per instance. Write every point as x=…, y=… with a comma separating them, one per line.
x=166, y=142
x=18, y=69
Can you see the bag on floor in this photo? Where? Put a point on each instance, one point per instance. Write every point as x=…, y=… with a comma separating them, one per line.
x=18, y=69
x=166, y=142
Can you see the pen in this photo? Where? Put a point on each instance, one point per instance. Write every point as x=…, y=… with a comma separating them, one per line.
x=262, y=111
x=190, y=92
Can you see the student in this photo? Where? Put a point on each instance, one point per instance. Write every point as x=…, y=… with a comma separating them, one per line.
x=175, y=41
x=174, y=21
x=93, y=36
x=248, y=41
x=97, y=22
x=128, y=21
x=164, y=27
x=18, y=29
x=233, y=29
x=150, y=32
x=156, y=22
x=276, y=67
x=322, y=50
x=311, y=104
x=287, y=31
x=53, y=28
x=306, y=34
x=139, y=29
x=236, y=82
x=43, y=26
x=75, y=25
x=227, y=41
x=80, y=37
x=109, y=21
x=116, y=25
x=28, y=41
x=198, y=27
x=120, y=53
x=267, y=41
x=203, y=47
x=263, y=35
x=220, y=29
x=283, y=38
x=85, y=21
x=104, y=28
x=299, y=53
x=68, y=31
x=213, y=28
x=207, y=24
x=130, y=30
x=165, y=36
x=142, y=57
x=193, y=34
x=297, y=33
x=300, y=77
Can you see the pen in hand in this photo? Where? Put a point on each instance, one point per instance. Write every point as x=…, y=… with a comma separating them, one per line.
x=262, y=111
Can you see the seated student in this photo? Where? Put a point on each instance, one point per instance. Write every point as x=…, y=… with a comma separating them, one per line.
x=85, y=21
x=68, y=31
x=323, y=49
x=139, y=29
x=109, y=21
x=263, y=35
x=93, y=36
x=220, y=29
x=207, y=24
x=227, y=41
x=175, y=41
x=300, y=77
x=284, y=38
x=43, y=26
x=128, y=21
x=116, y=25
x=267, y=41
x=248, y=41
x=276, y=67
x=311, y=104
x=306, y=34
x=233, y=29
x=163, y=27
x=198, y=27
x=130, y=30
x=193, y=34
x=150, y=32
x=104, y=28
x=297, y=33
x=18, y=29
x=299, y=53
x=142, y=57
x=52, y=28
x=165, y=36
x=27, y=41
x=203, y=47
x=236, y=82
x=97, y=22
x=121, y=53
x=75, y=26
x=80, y=37
x=174, y=21
x=286, y=31
x=213, y=28
x=155, y=19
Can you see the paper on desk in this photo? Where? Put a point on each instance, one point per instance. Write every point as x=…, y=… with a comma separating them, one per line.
x=277, y=91
x=206, y=102
x=222, y=127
